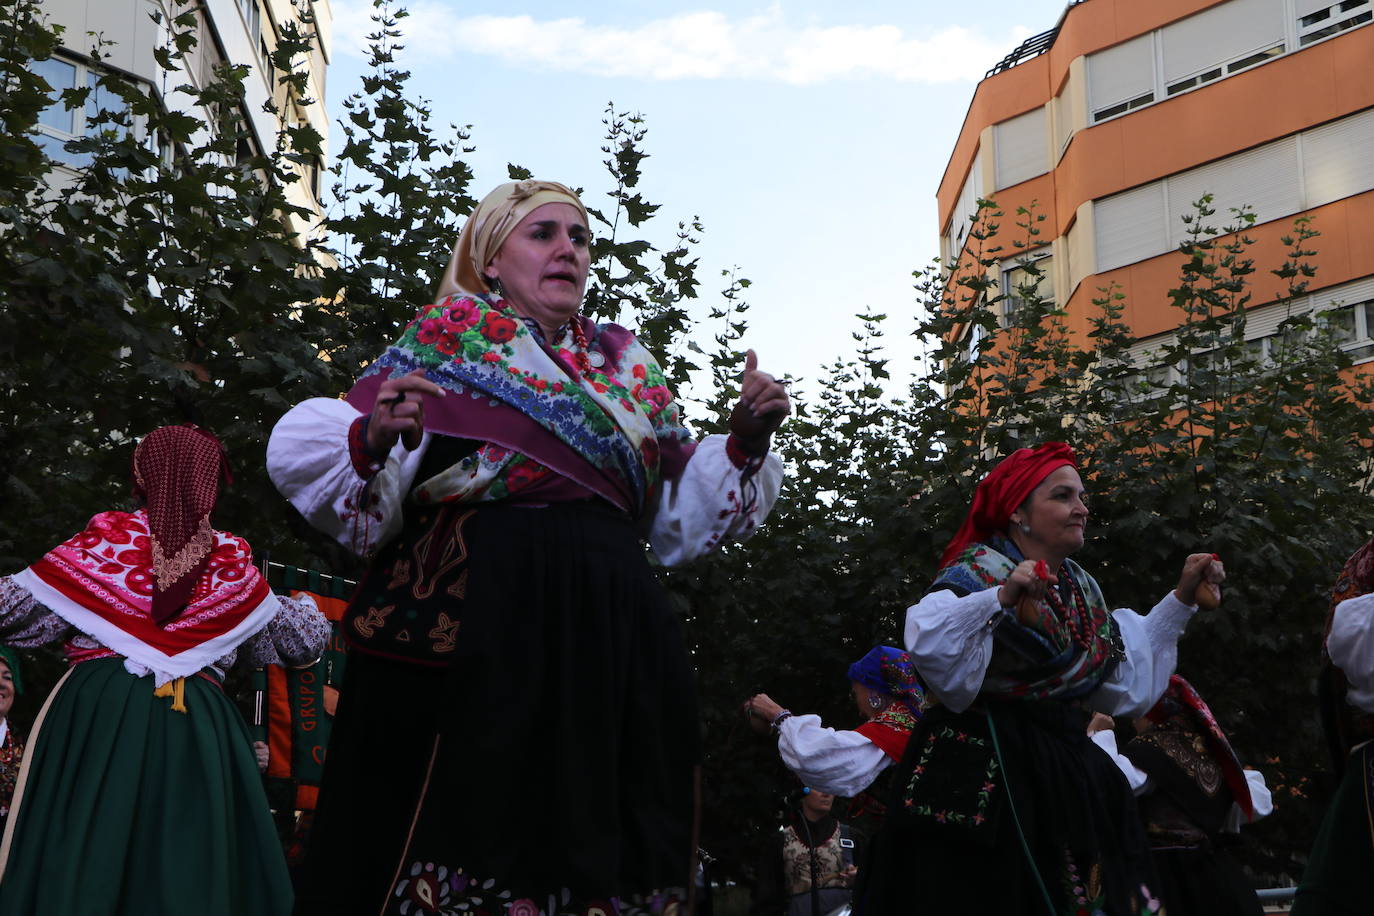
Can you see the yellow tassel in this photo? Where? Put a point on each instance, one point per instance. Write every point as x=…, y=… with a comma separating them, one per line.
x=176, y=689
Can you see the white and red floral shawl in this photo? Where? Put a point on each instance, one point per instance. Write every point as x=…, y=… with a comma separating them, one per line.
x=101, y=582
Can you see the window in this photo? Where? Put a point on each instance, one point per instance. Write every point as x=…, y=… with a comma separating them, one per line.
x=1205, y=47
x=965, y=211
x=1121, y=78
x=1218, y=41
x=58, y=125
x=1031, y=276
x=251, y=17
x=1021, y=147
x=265, y=60
x=1317, y=20
x=1276, y=180
x=973, y=340
x=1352, y=326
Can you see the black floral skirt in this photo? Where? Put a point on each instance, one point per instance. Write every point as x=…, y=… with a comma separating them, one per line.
x=1017, y=813
x=547, y=767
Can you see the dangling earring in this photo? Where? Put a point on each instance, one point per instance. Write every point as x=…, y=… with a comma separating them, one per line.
x=876, y=701
x=1025, y=529
x=494, y=284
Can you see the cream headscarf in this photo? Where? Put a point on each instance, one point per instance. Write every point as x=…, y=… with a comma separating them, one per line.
x=490, y=225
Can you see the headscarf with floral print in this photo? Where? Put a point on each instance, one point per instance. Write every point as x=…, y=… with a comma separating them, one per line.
x=490, y=224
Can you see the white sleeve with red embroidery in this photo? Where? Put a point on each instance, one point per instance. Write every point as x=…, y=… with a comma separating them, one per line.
x=309, y=462
x=711, y=502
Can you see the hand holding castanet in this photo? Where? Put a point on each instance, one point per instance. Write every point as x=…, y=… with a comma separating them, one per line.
x=1024, y=587
x=1200, y=582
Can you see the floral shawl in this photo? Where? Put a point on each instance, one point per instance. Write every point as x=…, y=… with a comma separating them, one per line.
x=101, y=582
x=615, y=431
x=1042, y=660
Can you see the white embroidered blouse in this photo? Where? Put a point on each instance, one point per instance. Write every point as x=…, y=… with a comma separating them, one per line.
x=309, y=461
x=950, y=641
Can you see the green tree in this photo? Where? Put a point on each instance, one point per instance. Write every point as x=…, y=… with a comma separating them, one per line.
x=161, y=289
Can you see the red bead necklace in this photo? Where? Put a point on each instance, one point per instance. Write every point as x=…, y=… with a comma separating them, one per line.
x=1076, y=618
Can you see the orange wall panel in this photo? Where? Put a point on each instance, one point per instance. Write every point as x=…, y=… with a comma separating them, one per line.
x=1292, y=93
x=1342, y=255
x=1274, y=100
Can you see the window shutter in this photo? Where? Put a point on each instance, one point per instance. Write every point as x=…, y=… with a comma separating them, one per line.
x=1130, y=226
x=1022, y=148
x=1219, y=35
x=1265, y=179
x=1121, y=73
x=1345, y=294
x=1336, y=158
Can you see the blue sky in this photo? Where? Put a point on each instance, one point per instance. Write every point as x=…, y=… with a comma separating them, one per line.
x=808, y=137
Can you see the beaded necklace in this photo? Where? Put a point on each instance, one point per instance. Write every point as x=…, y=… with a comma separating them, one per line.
x=581, y=348
x=1075, y=618
x=584, y=361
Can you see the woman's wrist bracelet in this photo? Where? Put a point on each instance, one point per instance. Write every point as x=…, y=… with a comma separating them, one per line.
x=779, y=719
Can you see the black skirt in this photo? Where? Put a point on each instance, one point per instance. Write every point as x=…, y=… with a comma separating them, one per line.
x=1205, y=881
x=547, y=766
x=974, y=804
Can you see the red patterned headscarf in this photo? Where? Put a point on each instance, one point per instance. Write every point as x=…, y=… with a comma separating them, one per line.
x=177, y=472
x=1003, y=490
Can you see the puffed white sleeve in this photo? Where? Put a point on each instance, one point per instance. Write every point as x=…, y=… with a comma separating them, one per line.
x=1151, y=655
x=309, y=461
x=950, y=641
x=1261, y=800
x=842, y=763
x=1139, y=780
x=717, y=498
x=1351, y=645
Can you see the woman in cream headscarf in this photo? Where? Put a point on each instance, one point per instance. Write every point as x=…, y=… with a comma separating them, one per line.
x=517, y=727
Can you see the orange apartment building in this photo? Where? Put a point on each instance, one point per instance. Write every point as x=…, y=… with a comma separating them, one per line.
x=1113, y=122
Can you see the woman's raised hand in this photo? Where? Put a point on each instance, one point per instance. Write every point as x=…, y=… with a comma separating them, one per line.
x=399, y=412
x=763, y=405
x=760, y=710
x=1197, y=569
x=1029, y=579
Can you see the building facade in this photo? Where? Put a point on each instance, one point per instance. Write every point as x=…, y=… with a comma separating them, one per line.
x=227, y=31
x=1115, y=121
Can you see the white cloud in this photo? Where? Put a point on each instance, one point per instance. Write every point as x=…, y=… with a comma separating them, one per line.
x=704, y=45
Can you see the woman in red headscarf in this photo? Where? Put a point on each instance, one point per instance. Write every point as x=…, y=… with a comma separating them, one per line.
x=1017, y=645
x=139, y=793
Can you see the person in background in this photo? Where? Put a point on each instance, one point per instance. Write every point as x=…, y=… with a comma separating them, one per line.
x=11, y=742
x=808, y=869
x=1339, y=878
x=1193, y=797
x=517, y=727
x=1016, y=642
x=851, y=764
x=139, y=794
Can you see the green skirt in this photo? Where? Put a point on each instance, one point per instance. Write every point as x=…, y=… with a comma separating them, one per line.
x=125, y=806
x=1339, y=880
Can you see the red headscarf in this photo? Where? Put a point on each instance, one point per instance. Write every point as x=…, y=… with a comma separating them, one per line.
x=1003, y=490
x=177, y=471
